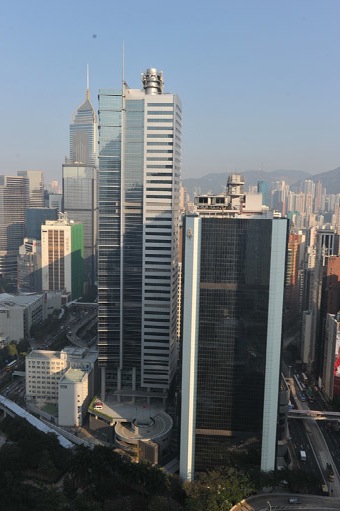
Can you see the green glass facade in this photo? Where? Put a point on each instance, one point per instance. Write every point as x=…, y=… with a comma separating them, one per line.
x=77, y=260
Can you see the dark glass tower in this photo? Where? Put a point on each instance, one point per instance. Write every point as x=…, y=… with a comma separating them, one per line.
x=232, y=316
x=14, y=200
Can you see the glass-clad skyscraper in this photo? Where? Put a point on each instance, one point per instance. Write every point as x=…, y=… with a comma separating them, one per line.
x=83, y=133
x=80, y=204
x=80, y=182
x=232, y=320
x=138, y=190
x=14, y=200
x=36, y=187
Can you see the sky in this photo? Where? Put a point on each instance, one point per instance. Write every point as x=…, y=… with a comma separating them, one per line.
x=259, y=80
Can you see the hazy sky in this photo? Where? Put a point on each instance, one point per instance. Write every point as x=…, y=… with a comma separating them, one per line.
x=259, y=79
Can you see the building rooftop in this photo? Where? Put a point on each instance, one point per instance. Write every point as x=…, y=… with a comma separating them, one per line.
x=73, y=351
x=43, y=354
x=83, y=354
x=9, y=301
x=73, y=376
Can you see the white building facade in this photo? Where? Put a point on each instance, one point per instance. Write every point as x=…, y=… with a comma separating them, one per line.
x=73, y=393
x=45, y=369
x=19, y=312
x=139, y=176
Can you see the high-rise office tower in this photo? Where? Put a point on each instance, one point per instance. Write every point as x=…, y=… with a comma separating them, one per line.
x=138, y=190
x=35, y=218
x=83, y=133
x=234, y=267
x=80, y=203
x=55, y=201
x=80, y=181
x=29, y=266
x=14, y=200
x=62, y=252
x=29, y=258
x=36, y=187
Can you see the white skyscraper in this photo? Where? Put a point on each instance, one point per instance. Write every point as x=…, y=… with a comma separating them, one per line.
x=138, y=192
x=62, y=251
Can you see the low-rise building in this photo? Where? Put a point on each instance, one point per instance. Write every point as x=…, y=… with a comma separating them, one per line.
x=73, y=397
x=19, y=312
x=47, y=372
x=44, y=369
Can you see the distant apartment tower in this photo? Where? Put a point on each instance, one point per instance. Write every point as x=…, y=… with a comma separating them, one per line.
x=36, y=187
x=138, y=191
x=62, y=247
x=29, y=266
x=294, y=292
x=279, y=196
x=80, y=182
x=234, y=267
x=322, y=280
x=14, y=200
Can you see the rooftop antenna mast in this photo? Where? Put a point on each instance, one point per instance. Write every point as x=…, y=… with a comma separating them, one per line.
x=123, y=68
x=87, y=81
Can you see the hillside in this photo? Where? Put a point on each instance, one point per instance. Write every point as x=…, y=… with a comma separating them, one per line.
x=330, y=180
x=216, y=183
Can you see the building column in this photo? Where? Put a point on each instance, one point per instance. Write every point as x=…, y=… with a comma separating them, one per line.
x=119, y=379
x=134, y=378
x=103, y=383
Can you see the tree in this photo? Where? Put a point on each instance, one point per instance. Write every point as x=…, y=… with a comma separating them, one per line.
x=11, y=348
x=218, y=489
x=162, y=503
x=69, y=487
x=302, y=481
x=23, y=346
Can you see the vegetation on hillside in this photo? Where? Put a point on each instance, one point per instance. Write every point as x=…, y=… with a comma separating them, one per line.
x=38, y=474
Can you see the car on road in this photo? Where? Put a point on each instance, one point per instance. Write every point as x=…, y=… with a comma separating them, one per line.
x=294, y=500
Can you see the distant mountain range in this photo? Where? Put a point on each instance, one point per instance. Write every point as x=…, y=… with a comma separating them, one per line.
x=215, y=183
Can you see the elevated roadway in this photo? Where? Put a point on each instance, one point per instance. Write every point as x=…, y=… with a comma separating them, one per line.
x=314, y=414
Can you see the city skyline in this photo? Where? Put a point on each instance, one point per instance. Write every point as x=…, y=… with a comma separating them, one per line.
x=258, y=80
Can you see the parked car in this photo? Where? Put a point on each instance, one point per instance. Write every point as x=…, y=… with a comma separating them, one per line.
x=294, y=500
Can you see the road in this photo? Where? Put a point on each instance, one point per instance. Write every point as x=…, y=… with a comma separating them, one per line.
x=280, y=502
x=317, y=444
